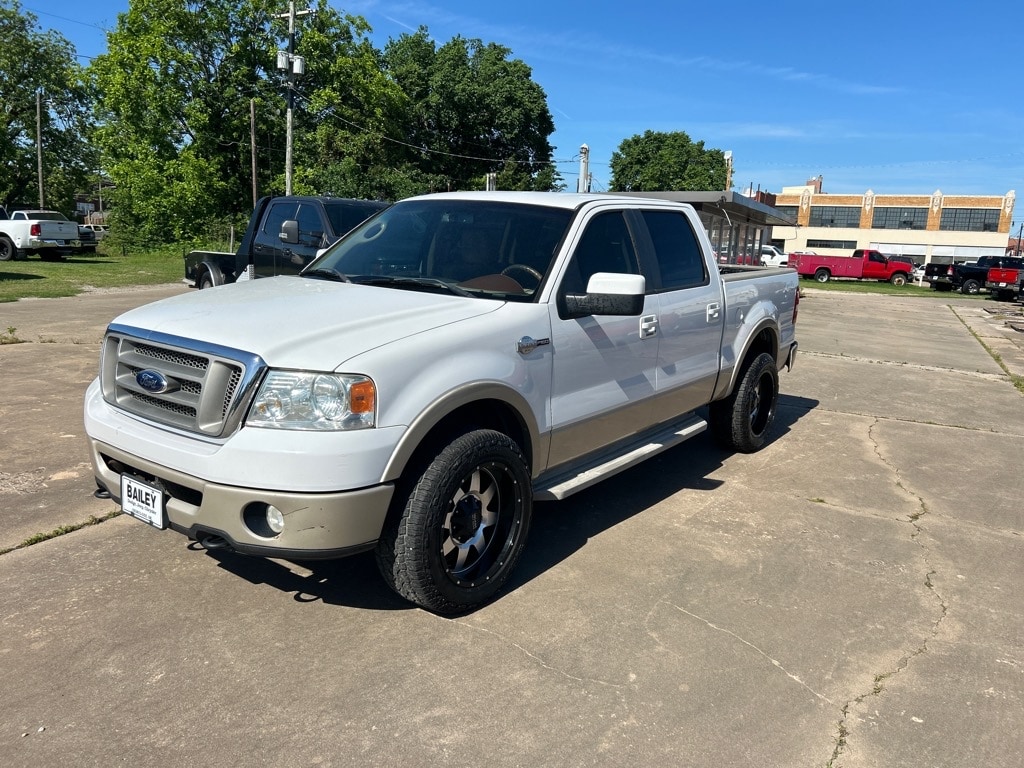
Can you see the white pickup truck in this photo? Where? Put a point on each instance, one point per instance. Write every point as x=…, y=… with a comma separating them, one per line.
x=48, y=233
x=417, y=387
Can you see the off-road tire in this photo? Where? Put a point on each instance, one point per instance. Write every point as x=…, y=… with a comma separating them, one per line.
x=457, y=530
x=743, y=421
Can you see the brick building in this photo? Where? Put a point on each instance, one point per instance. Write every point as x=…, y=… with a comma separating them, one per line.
x=935, y=227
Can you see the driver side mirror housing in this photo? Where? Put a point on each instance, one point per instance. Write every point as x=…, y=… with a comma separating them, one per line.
x=289, y=232
x=608, y=294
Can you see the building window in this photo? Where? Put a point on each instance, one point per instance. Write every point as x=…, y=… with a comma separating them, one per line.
x=789, y=211
x=848, y=244
x=900, y=218
x=835, y=216
x=970, y=219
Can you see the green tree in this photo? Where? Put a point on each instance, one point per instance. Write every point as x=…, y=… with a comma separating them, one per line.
x=471, y=110
x=348, y=109
x=657, y=162
x=173, y=95
x=34, y=62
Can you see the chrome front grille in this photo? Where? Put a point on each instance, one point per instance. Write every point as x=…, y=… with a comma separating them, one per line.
x=189, y=385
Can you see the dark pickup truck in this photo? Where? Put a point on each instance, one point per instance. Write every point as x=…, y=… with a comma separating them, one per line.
x=966, y=278
x=284, y=234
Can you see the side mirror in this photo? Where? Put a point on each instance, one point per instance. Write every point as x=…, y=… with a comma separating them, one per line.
x=289, y=232
x=608, y=294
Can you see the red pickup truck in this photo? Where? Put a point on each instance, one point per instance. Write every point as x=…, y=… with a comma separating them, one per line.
x=865, y=264
x=1004, y=282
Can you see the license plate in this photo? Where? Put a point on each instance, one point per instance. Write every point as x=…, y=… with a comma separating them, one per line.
x=143, y=501
x=1002, y=285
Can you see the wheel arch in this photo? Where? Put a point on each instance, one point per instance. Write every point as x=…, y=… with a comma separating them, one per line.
x=479, y=406
x=211, y=269
x=763, y=338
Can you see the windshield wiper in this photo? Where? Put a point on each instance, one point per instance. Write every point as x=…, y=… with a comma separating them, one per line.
x=415, y=282
x=326, y=273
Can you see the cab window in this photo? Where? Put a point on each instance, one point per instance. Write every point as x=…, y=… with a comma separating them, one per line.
x=677, y=250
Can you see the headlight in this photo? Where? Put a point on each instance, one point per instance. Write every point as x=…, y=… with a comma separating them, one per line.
x=314, y=401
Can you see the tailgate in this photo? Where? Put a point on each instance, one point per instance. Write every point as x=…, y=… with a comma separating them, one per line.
x=1002, y=275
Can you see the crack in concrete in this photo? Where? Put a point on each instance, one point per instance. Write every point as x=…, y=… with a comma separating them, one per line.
x=534, y=657
x=914, y=366
x=774, y=662
x=842, y=738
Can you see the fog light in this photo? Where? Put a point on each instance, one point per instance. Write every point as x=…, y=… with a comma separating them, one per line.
x=275, y=519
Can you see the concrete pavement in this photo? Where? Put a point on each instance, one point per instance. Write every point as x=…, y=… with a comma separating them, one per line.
x=849, y=596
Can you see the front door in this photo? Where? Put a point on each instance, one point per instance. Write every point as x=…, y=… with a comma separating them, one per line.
x=603, y=377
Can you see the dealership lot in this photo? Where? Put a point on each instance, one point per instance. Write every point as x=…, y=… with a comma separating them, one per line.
x=848, y=596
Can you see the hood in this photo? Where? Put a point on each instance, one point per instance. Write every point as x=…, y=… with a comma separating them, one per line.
x=295, y=322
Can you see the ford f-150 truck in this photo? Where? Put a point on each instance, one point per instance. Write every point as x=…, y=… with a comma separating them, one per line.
x=441, y=367
x=48, y=233
x=1004, y=282
x=283, y=236
x=864, y=264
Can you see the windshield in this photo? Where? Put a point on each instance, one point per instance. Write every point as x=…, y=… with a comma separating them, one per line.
x=480, y=247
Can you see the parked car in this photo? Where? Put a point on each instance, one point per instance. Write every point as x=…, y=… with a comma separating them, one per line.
x=864, y=264
x=416, y=387
x=1004, y=283
x=773, y=257
x=968, y=277
x=48, y=233
x=88, y=238
x=284, y=235
x=99, y=230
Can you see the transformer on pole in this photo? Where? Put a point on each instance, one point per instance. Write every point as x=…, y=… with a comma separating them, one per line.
x=293, y=66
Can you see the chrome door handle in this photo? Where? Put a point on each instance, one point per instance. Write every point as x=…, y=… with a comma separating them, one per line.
x=648, y=326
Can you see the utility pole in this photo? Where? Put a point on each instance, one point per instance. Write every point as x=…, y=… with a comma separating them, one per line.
x=39, y=144
x=293, y=66
x=728, y=169
x=583, y=185
x=252, y=146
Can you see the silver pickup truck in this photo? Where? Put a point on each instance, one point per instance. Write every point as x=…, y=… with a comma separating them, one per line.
x=418, y=386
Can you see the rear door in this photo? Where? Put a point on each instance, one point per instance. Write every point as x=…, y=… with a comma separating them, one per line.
x=690, y=312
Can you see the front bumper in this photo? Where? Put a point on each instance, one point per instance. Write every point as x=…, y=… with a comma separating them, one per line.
x=317, y=525
x=328, y=486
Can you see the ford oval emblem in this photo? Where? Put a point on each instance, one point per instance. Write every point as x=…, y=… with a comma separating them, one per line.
x=152, y=381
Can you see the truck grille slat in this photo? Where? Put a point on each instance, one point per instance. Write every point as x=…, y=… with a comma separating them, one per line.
x=195, y=387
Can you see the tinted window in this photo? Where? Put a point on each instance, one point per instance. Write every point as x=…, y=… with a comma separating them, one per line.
x=311, y=228
x=606, y=246
x=277, y=215
x=677, y=250
x=349, y=214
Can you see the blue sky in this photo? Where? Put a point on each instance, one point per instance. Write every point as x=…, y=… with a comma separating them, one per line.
x=898, y=97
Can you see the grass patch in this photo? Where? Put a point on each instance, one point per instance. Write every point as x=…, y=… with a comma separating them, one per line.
x=61, y=531
x=107, y=268
x=9, y=336
x=873, y=286
x=1017, y=381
